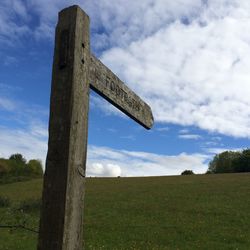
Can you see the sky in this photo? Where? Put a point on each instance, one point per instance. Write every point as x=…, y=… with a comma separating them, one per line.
x=188, y=59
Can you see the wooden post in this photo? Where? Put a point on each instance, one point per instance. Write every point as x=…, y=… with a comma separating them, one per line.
x=61, y=223
x=74, y=71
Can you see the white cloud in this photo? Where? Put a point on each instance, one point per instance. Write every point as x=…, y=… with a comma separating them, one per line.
x=183, y=131
x=195, y=74
x=214, y=141
x=28, y=135
x=130, y=163
x=113, y=22
x=162, y=129
x=189, y=60
x=190, y=136
x=19, y=8
x=124, y=22
x=31, y=146
x=211, y=143
x=23, y=128
x=100, y=170
x=6, y=104
x=102, y=161
x=11, y=31
x=186, y=135
x=220, y=150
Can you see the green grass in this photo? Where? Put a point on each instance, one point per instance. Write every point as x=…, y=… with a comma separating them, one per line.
x=181, y=212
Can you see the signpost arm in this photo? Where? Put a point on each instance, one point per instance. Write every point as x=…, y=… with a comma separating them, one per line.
x=61, y=223
x=109, y=86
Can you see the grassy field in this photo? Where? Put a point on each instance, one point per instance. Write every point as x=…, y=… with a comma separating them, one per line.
x=181, y=212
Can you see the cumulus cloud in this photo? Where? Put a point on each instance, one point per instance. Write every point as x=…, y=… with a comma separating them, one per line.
x=131, y=163
x=100, y=170
x=188, y=59
x=119, y=23
x=113, y=22
x=194, y=73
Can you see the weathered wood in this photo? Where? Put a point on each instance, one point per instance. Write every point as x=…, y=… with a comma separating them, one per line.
x=110, y=87
x=61, y=223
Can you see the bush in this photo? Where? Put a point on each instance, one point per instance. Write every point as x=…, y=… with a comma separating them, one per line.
x=187, y=172
x=18, y=165
x=18, y=158
x=4, y=167
x=35, y=167
x=4, y=201
x=16, y=169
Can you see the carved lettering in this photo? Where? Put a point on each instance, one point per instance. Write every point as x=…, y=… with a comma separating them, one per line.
x=108, y=85
x=113, y=86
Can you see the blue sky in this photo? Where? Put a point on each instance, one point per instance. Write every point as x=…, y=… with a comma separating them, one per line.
x=188, y=59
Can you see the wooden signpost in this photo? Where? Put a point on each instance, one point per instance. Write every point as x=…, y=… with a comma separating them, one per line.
x=75, y=70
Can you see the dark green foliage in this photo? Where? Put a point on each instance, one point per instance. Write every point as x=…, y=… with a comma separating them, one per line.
x=17, y=169
x=12, y=178
x=187, y=172
x=18, y=158
x=230, y=162
x=242, y=163
x=35, y=167
x=30, y=205
x=4, y=201
x=4, y=167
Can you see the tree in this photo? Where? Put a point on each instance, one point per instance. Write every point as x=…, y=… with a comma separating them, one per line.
x=223, y=162
x=35, y=167
x=18, y=158
x=18, y=164
x=230, y=162
x=4, y=167
x=187, y=172
x=242, y=163
x=16, y=168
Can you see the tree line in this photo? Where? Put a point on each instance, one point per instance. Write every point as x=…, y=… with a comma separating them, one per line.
x=17, y=168
x=230, y=162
